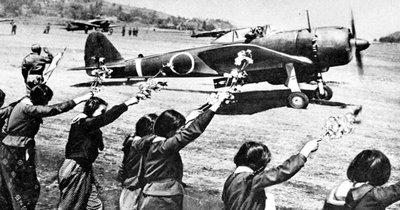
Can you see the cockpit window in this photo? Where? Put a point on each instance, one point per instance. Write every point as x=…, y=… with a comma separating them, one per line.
x=243, y=35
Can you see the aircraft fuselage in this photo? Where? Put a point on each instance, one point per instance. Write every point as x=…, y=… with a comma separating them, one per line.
x=332, y=47
x=324, y=46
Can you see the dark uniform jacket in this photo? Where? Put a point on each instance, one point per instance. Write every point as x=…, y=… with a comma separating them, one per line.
x=368, y=197
x=85, y=137
x=131, y=172
x=34, y=63
x=163, y=164
x=245, y=190
x=25, y=120
x=4, y=114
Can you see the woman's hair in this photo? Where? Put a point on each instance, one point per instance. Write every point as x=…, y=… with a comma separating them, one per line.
x=92, y=105
x=370, y=166
x=145, y=125
x=168, y=121
x=254, y=155
x=41, y=94
x=2, y=97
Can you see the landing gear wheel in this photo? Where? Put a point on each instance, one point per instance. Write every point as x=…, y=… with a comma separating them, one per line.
x=327, y=96
x=298, y=100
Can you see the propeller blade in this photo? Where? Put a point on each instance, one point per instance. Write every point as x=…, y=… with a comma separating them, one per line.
x=353, y=25
x=359, y=45
x=359, y=63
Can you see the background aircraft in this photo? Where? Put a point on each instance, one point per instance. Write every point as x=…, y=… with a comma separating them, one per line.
x=4, y=20
x=102, y=23
x=213, y=33
x=285, y=57
x=218, y=33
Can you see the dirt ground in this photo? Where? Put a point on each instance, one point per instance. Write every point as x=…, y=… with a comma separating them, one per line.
x=262, y=117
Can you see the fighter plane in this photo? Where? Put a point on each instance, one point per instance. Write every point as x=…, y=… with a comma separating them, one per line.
x=102, y=23
x=218, y=33
x=278, y=57
x=213, y=33
x=5, y=20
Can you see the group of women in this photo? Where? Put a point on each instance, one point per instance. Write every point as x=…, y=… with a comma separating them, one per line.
x=152, y=170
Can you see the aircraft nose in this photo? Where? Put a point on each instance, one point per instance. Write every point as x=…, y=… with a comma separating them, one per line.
x=360, y=44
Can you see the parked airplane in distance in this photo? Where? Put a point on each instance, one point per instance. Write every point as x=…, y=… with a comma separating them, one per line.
x=98, y=23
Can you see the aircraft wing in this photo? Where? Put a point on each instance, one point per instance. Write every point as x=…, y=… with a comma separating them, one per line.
x=82, y=24
x=210, y=34
x=113, y=26
x=222, y=58
x=286, y=58
x=4, y=20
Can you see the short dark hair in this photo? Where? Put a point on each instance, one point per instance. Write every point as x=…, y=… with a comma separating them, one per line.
x=370, y=166
x=40, y=94
x=254, y=155
x=169, y=120
x=36, y=48
x=145, y=125
x=2, y=97
x=92, y=104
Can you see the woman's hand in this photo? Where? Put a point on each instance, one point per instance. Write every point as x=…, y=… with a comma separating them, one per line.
x=132, y=101
x=310, y=147
x=218, y=99
x=192, y=116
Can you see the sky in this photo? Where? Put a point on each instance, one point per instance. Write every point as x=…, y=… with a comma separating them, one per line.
x=373, y=18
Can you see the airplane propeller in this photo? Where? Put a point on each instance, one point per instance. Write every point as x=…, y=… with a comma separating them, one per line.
x=359, y=45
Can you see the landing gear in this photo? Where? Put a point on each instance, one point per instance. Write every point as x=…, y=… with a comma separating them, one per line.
x=327, y=95
x=298, y=100
x=322, y=92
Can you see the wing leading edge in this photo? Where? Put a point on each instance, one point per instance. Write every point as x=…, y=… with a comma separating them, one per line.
x=222, y=58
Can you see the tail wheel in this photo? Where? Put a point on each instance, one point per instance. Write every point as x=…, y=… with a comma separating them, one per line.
x=327, y=96
x=298, y=100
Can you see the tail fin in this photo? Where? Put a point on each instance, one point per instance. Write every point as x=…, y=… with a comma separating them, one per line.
x=98, y=46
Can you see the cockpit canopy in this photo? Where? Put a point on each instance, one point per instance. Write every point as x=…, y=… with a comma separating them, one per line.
x=242, y=35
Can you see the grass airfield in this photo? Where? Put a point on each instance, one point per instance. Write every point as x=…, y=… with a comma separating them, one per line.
x=208, y=161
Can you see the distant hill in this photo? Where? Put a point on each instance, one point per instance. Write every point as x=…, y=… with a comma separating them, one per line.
x=87, y=9
x=394, y=37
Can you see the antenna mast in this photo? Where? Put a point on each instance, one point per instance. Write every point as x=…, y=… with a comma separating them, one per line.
x=308, y=20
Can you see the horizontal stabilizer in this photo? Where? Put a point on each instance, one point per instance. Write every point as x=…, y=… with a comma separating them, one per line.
x=110, y=66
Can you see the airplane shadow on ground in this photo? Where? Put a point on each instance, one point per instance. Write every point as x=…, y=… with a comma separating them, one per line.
x=249, y=102
x=257, y=101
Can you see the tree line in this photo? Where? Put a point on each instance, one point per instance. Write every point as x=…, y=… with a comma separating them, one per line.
x=394, y=37
x=87, y=9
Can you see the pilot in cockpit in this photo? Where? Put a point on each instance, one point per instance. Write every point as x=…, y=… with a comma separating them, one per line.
x=259, y=31
x=253, y=34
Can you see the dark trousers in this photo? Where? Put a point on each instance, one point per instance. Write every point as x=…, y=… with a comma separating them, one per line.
x=148, y=202
x=19, y=186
